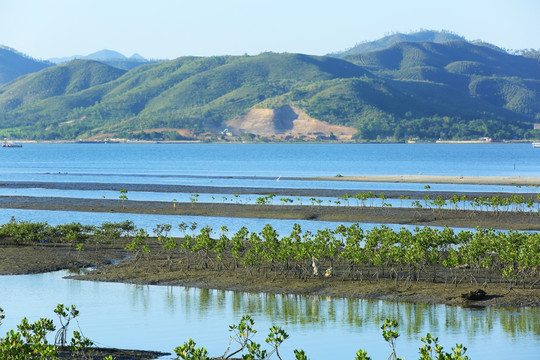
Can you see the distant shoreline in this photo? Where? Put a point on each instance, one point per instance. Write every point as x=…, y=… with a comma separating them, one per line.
x=436, y=179
x=205, y=141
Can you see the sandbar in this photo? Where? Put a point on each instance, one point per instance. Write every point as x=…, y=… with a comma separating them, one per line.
x=437, y=179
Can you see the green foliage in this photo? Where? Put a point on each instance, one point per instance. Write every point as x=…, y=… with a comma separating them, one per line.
x=452, y=91
x=123, y=197
x=362, y=355
x=189, y=351
x=432, y=350
x=25, y=232
x=300, y=355
x=390, y=335
x=276, y=337
x=429, y=351
x=139, y=244
x=29, y=341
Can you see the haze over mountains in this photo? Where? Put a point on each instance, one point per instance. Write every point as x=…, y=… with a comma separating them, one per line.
x=109, y=57
x=428, y=85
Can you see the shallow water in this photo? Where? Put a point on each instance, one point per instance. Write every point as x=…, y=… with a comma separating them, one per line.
x=169, y=163
x=162, y=317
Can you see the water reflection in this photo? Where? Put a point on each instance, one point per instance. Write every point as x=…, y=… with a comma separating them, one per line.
x=162, y=317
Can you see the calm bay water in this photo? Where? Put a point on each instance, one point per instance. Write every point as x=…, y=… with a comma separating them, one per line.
x=160, y=318
x=165, y=163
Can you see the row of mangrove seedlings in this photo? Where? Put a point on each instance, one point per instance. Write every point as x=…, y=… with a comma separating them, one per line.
x=496, y=203
x=347, y=252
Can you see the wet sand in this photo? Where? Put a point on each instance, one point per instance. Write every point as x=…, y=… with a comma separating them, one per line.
x=439, y=179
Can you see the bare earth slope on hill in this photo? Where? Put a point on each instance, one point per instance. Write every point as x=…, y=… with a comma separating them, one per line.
x=286, y=121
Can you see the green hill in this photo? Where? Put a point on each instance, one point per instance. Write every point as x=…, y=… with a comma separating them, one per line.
x=451, y=90
x=501, y=79
x=14, y=64
x=389, y=40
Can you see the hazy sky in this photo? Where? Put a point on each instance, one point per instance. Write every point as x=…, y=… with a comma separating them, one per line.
x=173, y=28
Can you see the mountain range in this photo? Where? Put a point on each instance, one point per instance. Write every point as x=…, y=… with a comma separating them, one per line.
x=109, y=57
x=428, y=85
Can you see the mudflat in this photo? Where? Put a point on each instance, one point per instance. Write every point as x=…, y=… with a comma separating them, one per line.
x=155, y=268
x=388, y=215
x=439, y=179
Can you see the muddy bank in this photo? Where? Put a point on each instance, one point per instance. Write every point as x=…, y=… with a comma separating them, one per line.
x=157, y=272
x=101, y=353
x=35, y=259
x=386, y=215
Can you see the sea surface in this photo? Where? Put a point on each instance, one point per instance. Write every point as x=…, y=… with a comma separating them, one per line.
x=160, y=317
x=201, y=163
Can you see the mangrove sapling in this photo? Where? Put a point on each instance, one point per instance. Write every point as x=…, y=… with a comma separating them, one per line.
x=276, y=337
x=383, y=198
x=254, y=255
x=139, y=245
x=187, y=245
x=193, y=226
x=221, y=246
x=29, y=342
x=123, y=197
x=204, y=244
x=189, y=351
x=65, y=315
x=194, y=198
x=161, y=232
x=242, y=335
x=183, y=227
x=371, y=196
x=79, y=344
x=285, y=201
x=300, y=355
x=169, y=244
x=390, y=335
x=30, y=339
x=431, y=349
x=361, y=355
x=70, y=238
x=261, y=200
x=238, y=246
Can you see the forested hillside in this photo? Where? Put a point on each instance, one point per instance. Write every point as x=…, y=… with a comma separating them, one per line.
x=450, y=90
x=14, y=64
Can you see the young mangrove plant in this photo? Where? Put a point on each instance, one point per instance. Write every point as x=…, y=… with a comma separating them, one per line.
x=29, y=341
x=123, y=197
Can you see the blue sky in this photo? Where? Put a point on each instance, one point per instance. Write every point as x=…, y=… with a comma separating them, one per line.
x=173, y=28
